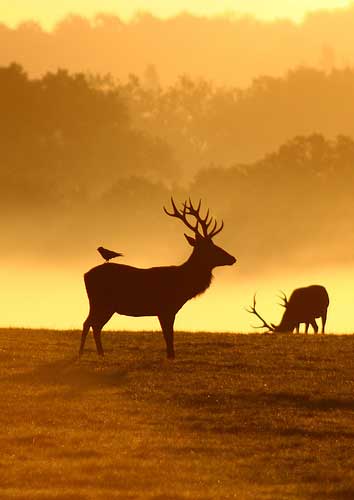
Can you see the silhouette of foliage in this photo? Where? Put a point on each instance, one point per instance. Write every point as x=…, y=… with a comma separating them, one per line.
x=210, y=125
x=61, y=135
x=322, y=40
x=85, y=157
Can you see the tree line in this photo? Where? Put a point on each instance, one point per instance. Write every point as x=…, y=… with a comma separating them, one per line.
x=106, y=43
x=86, y=157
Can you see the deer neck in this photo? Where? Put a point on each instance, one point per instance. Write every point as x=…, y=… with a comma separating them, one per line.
x=197, y=274
x=287, y=323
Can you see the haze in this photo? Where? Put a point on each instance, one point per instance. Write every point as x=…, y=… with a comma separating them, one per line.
x=106, y=116
x=226, y=50
x=49, y=13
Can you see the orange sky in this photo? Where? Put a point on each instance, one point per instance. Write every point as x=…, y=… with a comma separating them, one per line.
x=223, y=306
x=48, y=13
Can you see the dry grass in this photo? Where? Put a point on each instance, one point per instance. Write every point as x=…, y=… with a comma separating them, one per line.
x=235, y=416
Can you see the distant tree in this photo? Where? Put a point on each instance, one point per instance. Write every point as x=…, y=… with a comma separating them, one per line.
x=151, y=78
x=63, y=132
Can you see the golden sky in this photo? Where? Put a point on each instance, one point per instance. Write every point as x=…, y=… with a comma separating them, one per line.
x=48, y=12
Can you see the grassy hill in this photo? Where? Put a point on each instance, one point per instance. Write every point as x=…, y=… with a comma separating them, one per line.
x=234, y=416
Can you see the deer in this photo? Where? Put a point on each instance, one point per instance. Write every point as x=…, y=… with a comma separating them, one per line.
x=304, y=306
x=156, y=291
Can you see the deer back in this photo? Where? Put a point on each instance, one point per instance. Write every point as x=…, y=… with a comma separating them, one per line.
x=304, y=305
x=143, y=292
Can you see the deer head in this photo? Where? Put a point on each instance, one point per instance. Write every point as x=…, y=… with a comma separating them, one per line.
x=204, y=229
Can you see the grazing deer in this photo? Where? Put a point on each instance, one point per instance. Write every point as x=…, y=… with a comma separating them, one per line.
x=158, y=291
x=304, y=306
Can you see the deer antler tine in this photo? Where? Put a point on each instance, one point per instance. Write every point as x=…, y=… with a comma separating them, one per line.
x=192, y=210
x=190, y=204
x=213, y=227
x=172, y=214
x=182, y=215
x=252, y=310
x=173, y=204
x=254, y=300
x=215, y=231
x=205, y=219
x=188, y=209
x=284, y=298
x=207, y=224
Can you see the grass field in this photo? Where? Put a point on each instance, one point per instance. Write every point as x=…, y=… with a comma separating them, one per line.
x=234, y=416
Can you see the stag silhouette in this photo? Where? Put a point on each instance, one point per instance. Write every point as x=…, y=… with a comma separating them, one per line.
x=304, y=306
x=157, y=291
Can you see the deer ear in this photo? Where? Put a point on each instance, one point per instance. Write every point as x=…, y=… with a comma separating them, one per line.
x=190, y=240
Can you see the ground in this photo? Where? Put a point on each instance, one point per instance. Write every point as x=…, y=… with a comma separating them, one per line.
x=233, y=417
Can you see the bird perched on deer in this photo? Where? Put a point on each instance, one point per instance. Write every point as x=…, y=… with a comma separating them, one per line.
x=108, y=254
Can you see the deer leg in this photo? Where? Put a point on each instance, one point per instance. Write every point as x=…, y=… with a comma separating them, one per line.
x=324, y=319
x=297, y=328
x=98, y=323
x=166, y=322
x=85, y=330
x=97, y=337
x=314, y=325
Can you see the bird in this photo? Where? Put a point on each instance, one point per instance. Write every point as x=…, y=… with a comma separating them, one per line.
x=108, y=254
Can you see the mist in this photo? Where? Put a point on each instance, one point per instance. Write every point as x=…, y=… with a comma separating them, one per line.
x=201, y=47
x=89, y=160
x=54, y=297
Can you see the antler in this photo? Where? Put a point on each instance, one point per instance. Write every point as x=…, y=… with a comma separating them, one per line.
x=284, y=298
x=205, y=222
x=252, y=310
x=182, y=215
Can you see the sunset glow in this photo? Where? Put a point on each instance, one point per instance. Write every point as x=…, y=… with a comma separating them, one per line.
x=48, y=14
x=177, y=249
x=255, y=118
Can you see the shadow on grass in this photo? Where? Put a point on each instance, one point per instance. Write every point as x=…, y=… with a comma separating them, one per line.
x=285, y=399
x=318, y=434
x=89, y=373
x=201, y=425
x=305, y=401
x=70, y=373
x=211, y=413
x=341, y=494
